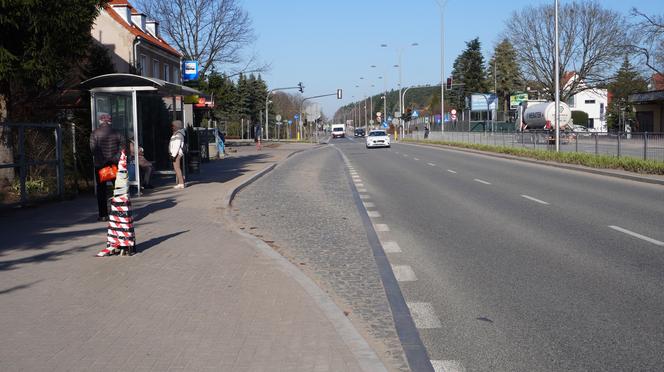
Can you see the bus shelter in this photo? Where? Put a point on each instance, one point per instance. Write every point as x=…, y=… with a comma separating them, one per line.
x=142, y=109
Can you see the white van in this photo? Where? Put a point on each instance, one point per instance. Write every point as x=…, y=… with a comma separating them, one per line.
x=338, y=130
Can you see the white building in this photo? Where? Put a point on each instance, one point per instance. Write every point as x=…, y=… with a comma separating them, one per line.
x=593, y=102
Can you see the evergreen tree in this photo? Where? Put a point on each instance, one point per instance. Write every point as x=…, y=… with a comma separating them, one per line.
x=507, y=73
x=626, y=81
x=469, y=70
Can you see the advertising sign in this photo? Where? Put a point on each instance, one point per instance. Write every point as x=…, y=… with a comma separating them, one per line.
x=189, y=70
x=516, y=99
x=479, y=102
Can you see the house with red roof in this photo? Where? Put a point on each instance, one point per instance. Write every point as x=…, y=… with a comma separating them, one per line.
x=135, y=43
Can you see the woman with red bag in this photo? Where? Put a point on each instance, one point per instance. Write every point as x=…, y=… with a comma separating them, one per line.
x=106, y=145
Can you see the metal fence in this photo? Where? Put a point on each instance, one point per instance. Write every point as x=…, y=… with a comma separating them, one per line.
x=647, y=146
x=43, y=161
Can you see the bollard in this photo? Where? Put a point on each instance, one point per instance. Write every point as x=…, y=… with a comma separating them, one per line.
x=618, y=145
x=645, y=145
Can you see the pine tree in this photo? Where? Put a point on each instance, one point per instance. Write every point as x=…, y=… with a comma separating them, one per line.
x=626, y=81
x=469, y=70
x=507, y=73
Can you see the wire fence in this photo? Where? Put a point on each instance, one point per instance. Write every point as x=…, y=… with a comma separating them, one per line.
x=42, y=161
x=647, y=146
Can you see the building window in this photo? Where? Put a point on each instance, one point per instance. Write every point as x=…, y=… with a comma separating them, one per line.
x=155, y=68
x=571, y=101
x=143, y=66
x=167, y=72
x=590, y=101
x=176, y=75
x=591, y=123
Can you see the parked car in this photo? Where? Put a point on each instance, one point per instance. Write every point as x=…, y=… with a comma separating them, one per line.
x=580, y=130
x=378, y=138
x=359, y=132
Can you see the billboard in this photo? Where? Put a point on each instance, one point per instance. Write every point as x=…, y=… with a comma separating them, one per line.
x=479, y=101
x=516, y=99
x=189, y=70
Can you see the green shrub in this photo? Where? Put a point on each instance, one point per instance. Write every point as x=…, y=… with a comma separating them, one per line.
x=580, y=118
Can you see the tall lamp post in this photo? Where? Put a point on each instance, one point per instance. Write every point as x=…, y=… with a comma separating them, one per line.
x=441, y=5
x=557, y=67
x=401, y=106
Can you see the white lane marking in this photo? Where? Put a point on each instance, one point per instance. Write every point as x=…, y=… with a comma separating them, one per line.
x=432, y=164
x=391, y=247
x=424, y=315
x=364, y=196
x=396, y=152
x=355, y=176
x=534, y=199
x=416, y=159
x=404, y=273
x=481, y=181
x=447, y=366
x=451, y=171
x=373, y=214
x=405, y=155
x=381, y=227
x=637, y=235
x=368, y=204
x=359, y=184
x=361, y=190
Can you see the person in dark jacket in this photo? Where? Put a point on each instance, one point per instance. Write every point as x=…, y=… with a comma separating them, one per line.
x=106, y=144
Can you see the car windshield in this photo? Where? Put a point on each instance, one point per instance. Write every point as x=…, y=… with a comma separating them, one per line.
x=338, y=129
x=377, y=134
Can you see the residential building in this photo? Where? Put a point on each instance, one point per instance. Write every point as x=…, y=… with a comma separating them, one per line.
x=649, y=106
x=592, y=101
x=134, y=42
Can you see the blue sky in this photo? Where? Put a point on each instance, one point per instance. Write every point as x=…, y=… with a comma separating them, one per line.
x=331, y=44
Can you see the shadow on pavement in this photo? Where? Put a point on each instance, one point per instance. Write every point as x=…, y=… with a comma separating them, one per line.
x=144, y=246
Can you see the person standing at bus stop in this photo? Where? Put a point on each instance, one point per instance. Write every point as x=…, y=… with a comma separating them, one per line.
x=106, y=144
x=176, y=151
x=257, y=136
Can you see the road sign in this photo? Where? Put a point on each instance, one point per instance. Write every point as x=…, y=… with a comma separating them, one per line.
x=279, y=123
x=290, y=122
x=384, y=124
x=454, y=117
x=379, y=114
x=516, y=99
x=397, y=114
x=371, y=121
x=296, y=116
x=389, y=118
x=415, y=114
x=278, y=118
x=453, y=112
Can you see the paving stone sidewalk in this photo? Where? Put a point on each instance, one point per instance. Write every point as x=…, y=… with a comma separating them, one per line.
x=198, y=296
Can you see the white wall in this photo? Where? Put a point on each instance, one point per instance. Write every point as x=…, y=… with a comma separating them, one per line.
x=583, y=101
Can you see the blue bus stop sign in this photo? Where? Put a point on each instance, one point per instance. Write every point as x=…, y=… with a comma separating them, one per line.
x=296, y=116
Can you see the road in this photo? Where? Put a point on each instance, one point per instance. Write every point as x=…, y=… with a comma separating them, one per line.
x=511, y=266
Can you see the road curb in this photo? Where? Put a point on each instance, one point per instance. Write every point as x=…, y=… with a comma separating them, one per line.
x=364, y=354
x=602, y=172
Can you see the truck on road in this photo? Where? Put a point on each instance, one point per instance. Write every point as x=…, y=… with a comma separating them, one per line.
x=338, y=130
x=539, y=117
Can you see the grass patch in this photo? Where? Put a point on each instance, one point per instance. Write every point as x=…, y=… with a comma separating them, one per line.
x=589, y=160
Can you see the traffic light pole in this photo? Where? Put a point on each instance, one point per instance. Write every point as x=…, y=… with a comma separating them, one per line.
x=267, y=100
x=338, y=93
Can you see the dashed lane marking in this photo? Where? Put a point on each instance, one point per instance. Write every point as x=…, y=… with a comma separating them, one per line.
x=424, y=315
x=534, y=199
x=391, y=247
x=431, y=164
x=373, y=214
x=405, y=155
x=416, y=159
x=368, y=204
x=359, y=184
x=451, y=171
x=364, y=196
x=637, y=235
x=481, y=181
x=381, y=227
x=361, y=190
x=447, y=366
x=404, y=273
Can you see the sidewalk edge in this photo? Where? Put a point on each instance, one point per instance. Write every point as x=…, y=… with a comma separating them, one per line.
x=364, y=355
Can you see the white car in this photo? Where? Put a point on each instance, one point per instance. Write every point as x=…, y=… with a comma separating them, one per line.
x=378, y=138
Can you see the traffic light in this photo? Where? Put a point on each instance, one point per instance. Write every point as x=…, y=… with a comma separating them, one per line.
x=449, y=83
x=407, y=115
x=339, y=93
x=301, y=87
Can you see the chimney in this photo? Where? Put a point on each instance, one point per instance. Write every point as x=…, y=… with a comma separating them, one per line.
x=139, y=20
x=123, y=11
x=153, y=28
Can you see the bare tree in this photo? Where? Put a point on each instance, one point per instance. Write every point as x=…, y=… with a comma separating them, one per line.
x=591, y=40
x=213, y=32
x=648, y=36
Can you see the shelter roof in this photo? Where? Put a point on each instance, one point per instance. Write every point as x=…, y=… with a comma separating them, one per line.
x=131, y=82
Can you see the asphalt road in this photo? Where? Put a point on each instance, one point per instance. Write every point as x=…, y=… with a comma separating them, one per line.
x=510, y=266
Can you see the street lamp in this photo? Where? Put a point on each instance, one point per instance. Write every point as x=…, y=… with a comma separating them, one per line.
x=400, y=53
x=441, y=5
